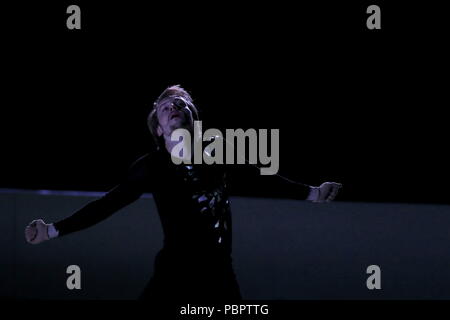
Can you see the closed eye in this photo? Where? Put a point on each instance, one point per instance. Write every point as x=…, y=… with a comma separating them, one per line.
x=164, y=109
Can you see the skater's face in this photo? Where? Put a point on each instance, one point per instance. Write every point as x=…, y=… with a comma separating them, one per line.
x=173, y=113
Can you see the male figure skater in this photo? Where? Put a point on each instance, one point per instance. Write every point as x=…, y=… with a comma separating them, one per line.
x=195, y=262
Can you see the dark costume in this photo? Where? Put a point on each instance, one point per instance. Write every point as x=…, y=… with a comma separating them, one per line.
x=195, y=263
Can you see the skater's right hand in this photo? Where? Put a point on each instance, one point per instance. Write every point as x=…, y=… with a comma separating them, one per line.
x=37, y=232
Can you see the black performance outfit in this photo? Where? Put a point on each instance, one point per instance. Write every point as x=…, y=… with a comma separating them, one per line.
x=192, y=200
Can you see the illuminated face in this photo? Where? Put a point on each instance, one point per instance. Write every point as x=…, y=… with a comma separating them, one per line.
x=173, y=113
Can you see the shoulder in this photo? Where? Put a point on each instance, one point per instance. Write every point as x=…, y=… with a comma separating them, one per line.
x=141, y=166
x=149, y=160
x=142, y=159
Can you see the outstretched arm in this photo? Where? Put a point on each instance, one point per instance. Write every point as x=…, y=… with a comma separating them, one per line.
x=280, y=185
x=126, y=192
x=326, y=192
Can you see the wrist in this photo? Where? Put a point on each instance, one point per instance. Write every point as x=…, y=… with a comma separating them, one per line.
x=313, y=194
x=51, y=231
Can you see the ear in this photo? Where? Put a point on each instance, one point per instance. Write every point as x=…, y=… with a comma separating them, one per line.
x=159, y=131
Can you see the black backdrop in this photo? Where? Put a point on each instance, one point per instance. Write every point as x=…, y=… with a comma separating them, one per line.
x=365, y=108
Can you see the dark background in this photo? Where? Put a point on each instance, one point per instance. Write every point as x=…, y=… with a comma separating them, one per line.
x=361, y=107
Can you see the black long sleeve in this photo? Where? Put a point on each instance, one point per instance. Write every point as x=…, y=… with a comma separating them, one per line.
x=126, y=192
x=255, y=184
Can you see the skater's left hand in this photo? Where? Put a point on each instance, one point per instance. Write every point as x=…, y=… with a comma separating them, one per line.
x=326, y=192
